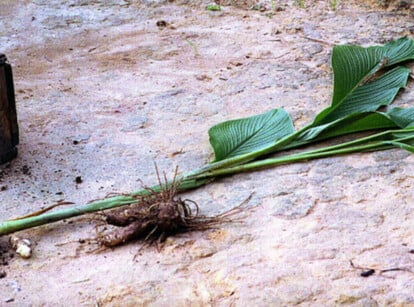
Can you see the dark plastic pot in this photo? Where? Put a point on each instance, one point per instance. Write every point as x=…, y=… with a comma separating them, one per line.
x=9, y=131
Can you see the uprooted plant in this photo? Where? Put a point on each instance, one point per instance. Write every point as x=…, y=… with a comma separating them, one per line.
x=157, y=215
x=366, y=82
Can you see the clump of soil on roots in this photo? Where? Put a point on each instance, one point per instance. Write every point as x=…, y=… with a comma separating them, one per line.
x=158, y=215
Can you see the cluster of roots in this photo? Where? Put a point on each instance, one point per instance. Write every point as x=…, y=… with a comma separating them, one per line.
x=156, y=216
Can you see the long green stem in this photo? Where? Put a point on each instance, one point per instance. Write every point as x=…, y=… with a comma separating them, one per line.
x=108, y=203
x=292, y=159
x=188, y=182
x=380, y=141
x=50, y=217
x=288, y=142
x=227, y=168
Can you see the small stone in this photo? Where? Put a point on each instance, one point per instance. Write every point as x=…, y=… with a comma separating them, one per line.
x=203, y=77
x=80, y=138
x=21, y=246
x=367, y=273
x=161, y=24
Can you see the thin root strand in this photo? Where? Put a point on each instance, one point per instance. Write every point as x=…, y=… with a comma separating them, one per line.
x=158, y=215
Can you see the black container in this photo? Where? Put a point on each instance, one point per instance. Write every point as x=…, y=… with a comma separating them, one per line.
x=9, y=131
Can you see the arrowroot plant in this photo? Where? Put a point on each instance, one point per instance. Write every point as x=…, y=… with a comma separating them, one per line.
x=366, y=82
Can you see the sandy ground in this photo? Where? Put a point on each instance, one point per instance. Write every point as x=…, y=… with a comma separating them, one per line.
x=102, y=92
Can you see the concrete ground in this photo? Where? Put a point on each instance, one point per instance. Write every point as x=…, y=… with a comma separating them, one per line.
x=103, y=91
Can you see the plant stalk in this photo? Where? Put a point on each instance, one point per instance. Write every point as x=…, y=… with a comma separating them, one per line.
x=266, y=163
x=375, y=142
x=11, y=226
x=380, y=141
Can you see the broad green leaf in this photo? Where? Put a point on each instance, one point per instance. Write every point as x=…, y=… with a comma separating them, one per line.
x=354, y=67
x=352, y=64
x=365, y=79
x=398, y=51
x=242, y=136
x=404, y=118
x=367, y=97
x=358, y=123
x=346, y=125
x=394, y=118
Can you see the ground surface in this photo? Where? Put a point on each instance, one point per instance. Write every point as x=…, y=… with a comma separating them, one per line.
x=102, y=91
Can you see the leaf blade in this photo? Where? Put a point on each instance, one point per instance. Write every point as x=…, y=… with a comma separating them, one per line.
x=354, y=66
x=350, y=124
x=245, y=135
x=403, y=117
x=368, y=97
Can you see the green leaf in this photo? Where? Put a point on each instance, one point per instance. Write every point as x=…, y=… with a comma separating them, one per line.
x=352, y=64
x=350, y=124
x=398, y=51
x=401, y=145
x=246, y=135
x=403, y=138
x=364, y=80
x=367, y=97
x=394, y=118
x=355, y=66
x=213, y=8
x=404, y=118
x=358, y=123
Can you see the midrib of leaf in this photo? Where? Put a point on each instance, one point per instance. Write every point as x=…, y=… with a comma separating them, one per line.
x=229, y=154
x=238, y=139
x=384, y=88
x=335, y=105
x=346, y=57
